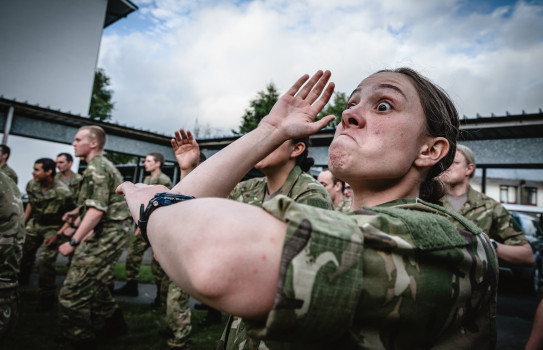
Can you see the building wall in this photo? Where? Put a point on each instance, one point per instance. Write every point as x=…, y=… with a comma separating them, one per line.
x=493, y=189
x=49, y=51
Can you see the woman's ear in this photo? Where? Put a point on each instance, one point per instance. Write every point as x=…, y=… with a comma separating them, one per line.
x=297, y=149
x=432, y=152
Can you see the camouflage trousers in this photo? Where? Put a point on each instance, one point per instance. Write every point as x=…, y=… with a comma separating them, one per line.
x=133, y=263
x=9, y=310
x=47, y=258
x=33, y=242
x=178, y=317
x=85, y=299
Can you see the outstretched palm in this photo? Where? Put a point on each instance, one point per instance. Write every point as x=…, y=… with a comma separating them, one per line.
x=294, y=112
x=186, y=149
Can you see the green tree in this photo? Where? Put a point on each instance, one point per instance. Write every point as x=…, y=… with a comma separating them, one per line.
x=101, y=105
x=335, y=107
x=259, y=108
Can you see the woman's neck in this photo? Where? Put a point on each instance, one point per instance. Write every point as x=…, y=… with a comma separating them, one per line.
x=276, y=176
x=374, y=192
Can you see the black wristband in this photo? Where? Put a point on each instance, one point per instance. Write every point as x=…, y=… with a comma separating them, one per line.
x=73, y=242
x=73, y=226
x=494, y=244
x=161, y=199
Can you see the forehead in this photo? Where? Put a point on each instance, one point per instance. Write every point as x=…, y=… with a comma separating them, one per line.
x=82, y=134
x=38, y=166
x=459, y=157
x=149, y=157
x=397, y=83
x=61, y=158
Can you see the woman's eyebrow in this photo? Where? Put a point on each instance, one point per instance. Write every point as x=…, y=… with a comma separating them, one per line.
x=386, y=86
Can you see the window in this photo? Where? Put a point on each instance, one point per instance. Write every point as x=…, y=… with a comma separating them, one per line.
x=529, y=195
x=508, y=194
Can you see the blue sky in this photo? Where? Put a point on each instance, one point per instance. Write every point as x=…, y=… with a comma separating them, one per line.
x=187, y=62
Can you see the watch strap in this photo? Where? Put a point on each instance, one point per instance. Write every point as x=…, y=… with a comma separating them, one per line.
x=161, y=199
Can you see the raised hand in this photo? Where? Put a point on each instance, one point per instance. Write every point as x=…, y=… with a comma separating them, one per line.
x=294, y=112
x=138, y=194
x=186, y=149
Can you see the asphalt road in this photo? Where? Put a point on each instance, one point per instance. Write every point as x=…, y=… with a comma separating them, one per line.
x=515, y=315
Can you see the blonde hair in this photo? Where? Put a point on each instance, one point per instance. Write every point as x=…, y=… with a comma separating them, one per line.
x=468, y=155
x=96, y=133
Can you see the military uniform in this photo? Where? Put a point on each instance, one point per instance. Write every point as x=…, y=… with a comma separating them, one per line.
x=344, y=206
x=403, y=275
x=74, y=183
x=12, y=235
x=139, y=246
x=45, y=221
x=85, y=296
x=491, y=217
x=9, y=172
x=301, y=188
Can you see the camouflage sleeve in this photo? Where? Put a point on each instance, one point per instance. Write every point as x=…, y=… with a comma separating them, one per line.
x=11, y=232
x=505, y=229
x=379, y=275
x=315, y=198
x=320, y=274
x=96, y=188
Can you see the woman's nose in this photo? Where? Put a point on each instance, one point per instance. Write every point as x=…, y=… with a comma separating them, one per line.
x=352, y=118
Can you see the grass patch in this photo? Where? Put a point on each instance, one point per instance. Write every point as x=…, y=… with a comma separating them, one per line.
x=37, y=330
x=146, y=276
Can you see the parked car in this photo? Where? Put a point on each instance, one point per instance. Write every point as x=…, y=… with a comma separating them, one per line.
x=529, y=279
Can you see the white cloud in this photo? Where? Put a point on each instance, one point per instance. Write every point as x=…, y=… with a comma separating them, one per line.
x=206, y=60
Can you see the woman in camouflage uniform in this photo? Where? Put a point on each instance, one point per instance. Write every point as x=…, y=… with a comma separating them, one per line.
x=400, y=272
x=286, y=174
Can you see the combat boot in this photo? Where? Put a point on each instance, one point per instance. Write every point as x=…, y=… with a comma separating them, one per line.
x=130, y=289
x=114, y=326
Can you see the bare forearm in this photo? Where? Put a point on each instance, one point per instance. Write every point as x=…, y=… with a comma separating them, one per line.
x=88, y=223
x=213, y=252
x=210, y=178
x=517, y=255
x=28, y=211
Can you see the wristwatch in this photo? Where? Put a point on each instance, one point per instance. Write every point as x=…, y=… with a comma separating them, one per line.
x=161, y=199
x=494, y=244
x=73, y=242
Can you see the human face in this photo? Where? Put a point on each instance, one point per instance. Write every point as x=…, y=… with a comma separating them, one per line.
x=458, y=172
x=348, y=192
x=325, y=179
x=151, y=164
x=38, y=173
x=62, y=164
x=382, y=130
x=82, y=143
x=277, y=158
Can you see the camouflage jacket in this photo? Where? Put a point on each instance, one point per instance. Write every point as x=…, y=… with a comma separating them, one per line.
x=12, y=232
x=74, y=184
x=344, y=206
x=48, y=208
x=100, y=180
x=299, y=186
x=302, y=188
x=491, y=217
x=161, y=179
x=10, y=172
x=403, y=275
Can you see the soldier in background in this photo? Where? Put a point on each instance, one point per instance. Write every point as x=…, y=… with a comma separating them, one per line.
x=65, y=174
x=153, y=164
x=5, y=152
x=485, y=212
x=335, y=188
x=103, y=227
x=48, y=200
x=12, y=235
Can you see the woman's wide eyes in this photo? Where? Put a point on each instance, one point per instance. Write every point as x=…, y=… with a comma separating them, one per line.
x=384, y=106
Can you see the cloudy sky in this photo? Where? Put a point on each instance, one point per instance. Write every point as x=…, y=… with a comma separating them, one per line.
x=175, y=63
